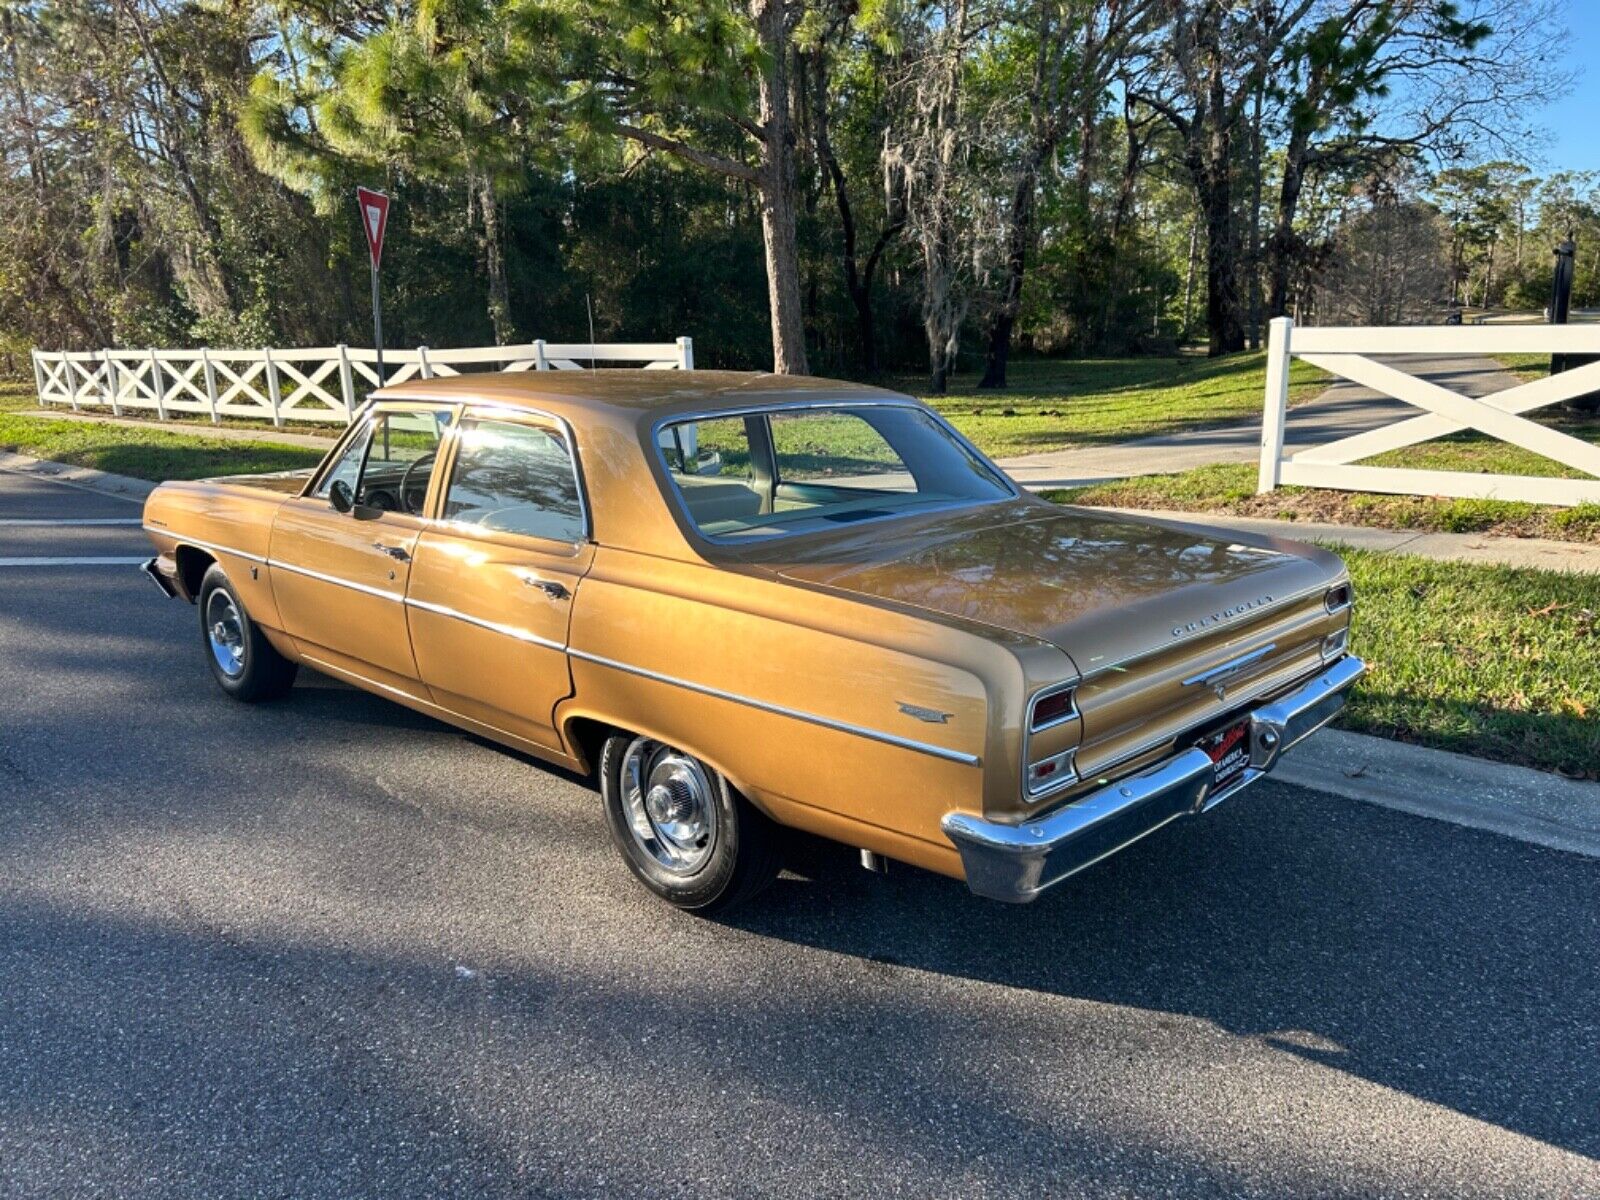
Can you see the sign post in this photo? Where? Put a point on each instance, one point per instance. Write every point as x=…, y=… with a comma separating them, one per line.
x=374, y=220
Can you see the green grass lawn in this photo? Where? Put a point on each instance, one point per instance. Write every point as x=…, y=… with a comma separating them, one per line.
x=1231, y=488
x=1057, y=404
x=1491, y=661
x=146, y=454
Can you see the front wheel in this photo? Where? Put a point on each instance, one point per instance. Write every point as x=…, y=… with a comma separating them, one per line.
x=684, y=833
x=245, y=664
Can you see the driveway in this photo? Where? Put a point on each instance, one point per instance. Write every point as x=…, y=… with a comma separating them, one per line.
x=326, y=947
x=1342, y=410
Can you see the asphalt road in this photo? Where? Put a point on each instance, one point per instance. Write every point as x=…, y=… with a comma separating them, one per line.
x=329, y=948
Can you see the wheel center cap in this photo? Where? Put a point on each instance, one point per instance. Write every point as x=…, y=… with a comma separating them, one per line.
x=671, y=804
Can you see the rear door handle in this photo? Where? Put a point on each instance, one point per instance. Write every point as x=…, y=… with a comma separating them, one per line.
x=549, y=587
x=398, y=553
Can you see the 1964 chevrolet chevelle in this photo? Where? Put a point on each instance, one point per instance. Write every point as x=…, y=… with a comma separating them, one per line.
x=751, y=601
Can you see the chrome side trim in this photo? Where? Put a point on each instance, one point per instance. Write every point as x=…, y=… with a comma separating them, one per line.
x=1017, y=862
x=876, y=735
x=364, y=588
x=511, y=631
x=184, y=539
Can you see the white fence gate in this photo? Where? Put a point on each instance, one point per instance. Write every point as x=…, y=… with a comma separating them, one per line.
x=1346, y=352
x=323, y=384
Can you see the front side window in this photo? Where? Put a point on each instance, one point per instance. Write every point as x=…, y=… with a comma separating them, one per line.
x=389, y=463
x=517, y=479
x=779, y=471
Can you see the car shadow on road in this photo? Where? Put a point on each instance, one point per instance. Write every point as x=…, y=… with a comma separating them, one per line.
x=1455, y=966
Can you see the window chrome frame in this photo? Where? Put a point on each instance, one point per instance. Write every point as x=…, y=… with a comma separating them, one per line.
x=507, y=413
x=362, y=418
x=1013, y=492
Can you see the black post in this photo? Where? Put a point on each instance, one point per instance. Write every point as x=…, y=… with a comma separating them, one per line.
x=1560, y=312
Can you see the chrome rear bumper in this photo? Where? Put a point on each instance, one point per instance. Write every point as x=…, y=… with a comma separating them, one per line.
x=1017, y=862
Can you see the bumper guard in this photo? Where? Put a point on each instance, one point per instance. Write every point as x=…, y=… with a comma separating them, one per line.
x=1016, y=862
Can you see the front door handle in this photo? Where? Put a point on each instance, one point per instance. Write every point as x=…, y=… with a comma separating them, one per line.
x=398, y=553
x=549, y=587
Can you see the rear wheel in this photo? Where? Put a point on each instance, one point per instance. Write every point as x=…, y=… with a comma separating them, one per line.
x=683, y=831
x=244, y=663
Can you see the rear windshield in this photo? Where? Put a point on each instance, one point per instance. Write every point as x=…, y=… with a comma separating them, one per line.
x=787, y=471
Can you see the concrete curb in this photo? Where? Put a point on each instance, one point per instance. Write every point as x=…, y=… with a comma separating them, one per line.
x=123, y=487
x=1515, y=802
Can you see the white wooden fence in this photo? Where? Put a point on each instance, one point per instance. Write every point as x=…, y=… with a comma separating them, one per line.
x=1346, y=352
x=323, y=384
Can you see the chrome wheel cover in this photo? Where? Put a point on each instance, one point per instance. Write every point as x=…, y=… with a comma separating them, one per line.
x=225, y=633
x=670, y=804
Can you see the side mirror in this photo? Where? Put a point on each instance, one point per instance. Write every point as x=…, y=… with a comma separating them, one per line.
x=341, y=497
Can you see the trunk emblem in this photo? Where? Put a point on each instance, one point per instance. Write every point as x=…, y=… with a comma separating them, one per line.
x=1217, y=618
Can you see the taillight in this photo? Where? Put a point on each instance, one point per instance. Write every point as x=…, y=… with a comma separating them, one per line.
x=1052, y=709
x=1338, y=598
x=1049, y=772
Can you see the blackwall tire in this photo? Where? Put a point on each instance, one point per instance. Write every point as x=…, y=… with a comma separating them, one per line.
x=244, y=664
x=682, y=830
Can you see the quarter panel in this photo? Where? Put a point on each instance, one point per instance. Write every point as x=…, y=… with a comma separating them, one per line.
x=232, y=523
x=763, y=645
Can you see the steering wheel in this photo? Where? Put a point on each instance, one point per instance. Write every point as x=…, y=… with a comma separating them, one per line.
x=412, y=504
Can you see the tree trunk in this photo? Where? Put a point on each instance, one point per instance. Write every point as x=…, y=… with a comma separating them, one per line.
x=1280, y=249
x=776, y=186
x=1018, y=238
x=857, y=281
x=494, y=258
x=1188, y=279
x=1224, y=321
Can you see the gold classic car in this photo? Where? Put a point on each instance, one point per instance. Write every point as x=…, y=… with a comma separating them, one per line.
x=750, y=602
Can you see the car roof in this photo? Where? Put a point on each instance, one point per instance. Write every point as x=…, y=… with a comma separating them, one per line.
x=612, y=393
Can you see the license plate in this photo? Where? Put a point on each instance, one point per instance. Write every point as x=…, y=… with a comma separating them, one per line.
x=1229, y=752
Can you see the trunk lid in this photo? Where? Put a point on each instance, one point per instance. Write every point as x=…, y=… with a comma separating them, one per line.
x=1141, y=607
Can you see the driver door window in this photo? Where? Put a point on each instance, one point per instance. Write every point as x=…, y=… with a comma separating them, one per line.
x=390, y=464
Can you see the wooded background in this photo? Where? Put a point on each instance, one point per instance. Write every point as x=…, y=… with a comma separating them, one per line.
x=840, y=186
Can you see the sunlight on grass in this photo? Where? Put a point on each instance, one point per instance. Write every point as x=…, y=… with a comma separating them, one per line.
x=1492, y=661
x=146, y=453
x=1057, y=404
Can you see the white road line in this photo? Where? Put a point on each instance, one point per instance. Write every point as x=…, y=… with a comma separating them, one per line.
x=69, y=520
x=83, y=561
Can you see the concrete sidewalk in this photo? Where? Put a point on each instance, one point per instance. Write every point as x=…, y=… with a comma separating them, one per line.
x=1342, y=410
x=1539, y=553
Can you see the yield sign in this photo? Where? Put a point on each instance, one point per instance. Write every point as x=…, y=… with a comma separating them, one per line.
x=374, y=218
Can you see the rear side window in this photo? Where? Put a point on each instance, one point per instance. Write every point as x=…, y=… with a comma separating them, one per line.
x=791, y=470
x=515, y=478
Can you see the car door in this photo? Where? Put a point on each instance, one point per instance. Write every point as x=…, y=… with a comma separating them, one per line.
x=493, y=580
x=339, y=576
